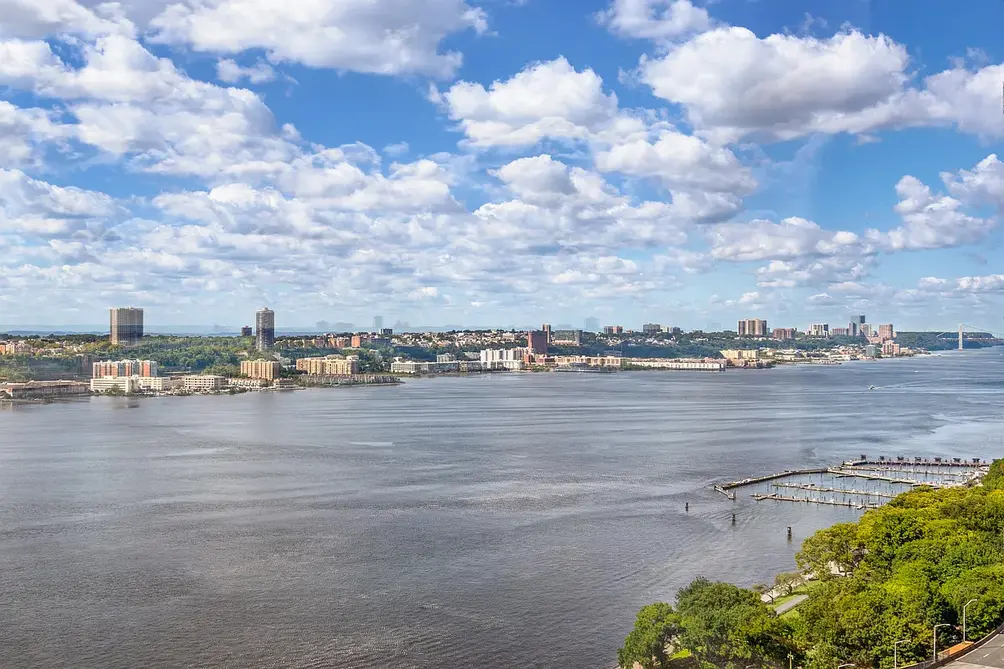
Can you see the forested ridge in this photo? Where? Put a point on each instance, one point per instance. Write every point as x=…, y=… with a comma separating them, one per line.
x=893, y=575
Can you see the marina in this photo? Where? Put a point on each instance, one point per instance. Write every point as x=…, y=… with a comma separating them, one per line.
x=879, y=480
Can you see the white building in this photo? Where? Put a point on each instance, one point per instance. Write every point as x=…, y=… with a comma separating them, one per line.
x=679, y=364
x=819, y=330
x=157, y=384
x=415, y=367
x=127, y=384
x=502, y=358
x=203, y=382
x=249, y=384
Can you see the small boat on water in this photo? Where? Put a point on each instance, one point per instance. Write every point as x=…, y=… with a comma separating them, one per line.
x=872, y=388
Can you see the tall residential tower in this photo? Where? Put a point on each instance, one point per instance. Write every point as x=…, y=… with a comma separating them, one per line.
x=264, y=321
x=126, y=326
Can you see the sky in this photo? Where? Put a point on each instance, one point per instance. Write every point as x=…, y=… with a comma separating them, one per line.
x=492, y=162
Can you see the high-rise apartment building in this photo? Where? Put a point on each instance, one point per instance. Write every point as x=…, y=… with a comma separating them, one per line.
x=377, y=324
x=546, y=327
x=886, y=332
x=264, y=322
x=591, y=324
x=247, y=331
x=819, y=330
x=752, y=327
x=613, y=329
x=536, y=342
x=853, y=329
x=862, y=320
x=566, y=337
x=126, y=326
x=651, y=328
x=785, y=334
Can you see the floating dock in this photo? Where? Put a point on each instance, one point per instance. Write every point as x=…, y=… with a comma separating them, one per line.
x=816, y=488
x=830, y=502
x=903, y=470
x=972, y=463
x=847, y=473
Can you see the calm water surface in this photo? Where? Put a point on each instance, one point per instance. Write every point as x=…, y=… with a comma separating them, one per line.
x=499, y=521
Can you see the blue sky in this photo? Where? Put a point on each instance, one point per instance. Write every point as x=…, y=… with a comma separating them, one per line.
x=501, y=162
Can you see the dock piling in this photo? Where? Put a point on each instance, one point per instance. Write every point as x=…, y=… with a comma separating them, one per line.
x=789, y=533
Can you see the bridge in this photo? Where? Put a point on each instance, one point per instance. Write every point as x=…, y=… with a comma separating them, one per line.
x=973, y=331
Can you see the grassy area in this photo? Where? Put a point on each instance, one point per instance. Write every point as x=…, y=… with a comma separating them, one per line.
x=803, y=589
x=681, y=655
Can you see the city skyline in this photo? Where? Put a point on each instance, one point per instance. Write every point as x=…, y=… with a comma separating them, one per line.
x=502, y=162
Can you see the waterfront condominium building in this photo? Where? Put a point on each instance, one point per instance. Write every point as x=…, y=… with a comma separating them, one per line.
x=785, y=334
x=329, y=366
x=119, y=368
x=752, y=327
x=269, y=370
x=126, y=325
x=264, y=322
x=886, y=332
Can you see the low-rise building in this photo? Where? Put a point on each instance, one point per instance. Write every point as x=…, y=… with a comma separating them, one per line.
x=126, y=384
x=683, y=364
x=203, y=382
x=248, y=384
x=609, y=361
x=158, y=384
x=14, y=348
x=42, y=389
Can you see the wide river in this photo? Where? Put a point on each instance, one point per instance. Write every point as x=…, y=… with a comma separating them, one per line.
x=501, y=521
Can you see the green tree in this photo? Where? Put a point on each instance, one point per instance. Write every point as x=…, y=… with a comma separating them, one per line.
x=786, y=581
x=650, y=641
x=730, y=627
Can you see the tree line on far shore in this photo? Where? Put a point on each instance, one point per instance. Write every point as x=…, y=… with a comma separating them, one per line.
x=891, y=576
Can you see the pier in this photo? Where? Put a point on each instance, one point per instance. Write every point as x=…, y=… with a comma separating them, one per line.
x=784, y=498
x=816, y=488
x=845, y=473
x=905, y=471
x=972, y=463
x=769, y=477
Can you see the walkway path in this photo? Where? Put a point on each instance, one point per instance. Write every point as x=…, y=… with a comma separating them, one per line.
x=989, y=656
x=790, y=604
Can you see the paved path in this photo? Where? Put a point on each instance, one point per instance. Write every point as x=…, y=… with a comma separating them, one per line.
x=791, y=603
x=990, y=655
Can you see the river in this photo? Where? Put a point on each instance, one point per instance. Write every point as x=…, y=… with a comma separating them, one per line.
x=499, y=521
